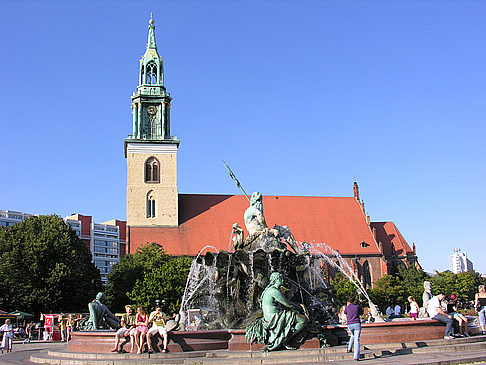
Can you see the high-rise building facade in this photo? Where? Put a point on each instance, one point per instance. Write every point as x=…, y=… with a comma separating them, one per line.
x=10, y=217
x=106, y=240
x=458, y=262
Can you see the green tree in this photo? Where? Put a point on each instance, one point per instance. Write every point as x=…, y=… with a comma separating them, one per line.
x=45, y=267
x=464, y=285
x=167, y=283
x=342, y=288
x=131, y=268
x=386, y=290
x=412, y=281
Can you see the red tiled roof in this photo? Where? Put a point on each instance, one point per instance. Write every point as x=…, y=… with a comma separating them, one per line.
x=207, y=220
x=388, y=234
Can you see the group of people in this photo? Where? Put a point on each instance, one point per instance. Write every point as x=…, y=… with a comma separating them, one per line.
x=140, y=327
x=394, y=311
x=66, y=325
x=437, y=308
x=449, y=313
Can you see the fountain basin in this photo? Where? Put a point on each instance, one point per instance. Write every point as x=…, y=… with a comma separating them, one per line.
x=403, y=330
x=179, y=341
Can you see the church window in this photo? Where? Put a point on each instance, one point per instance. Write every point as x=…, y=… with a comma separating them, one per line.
x=150, y=205
x=152, y=170
x=366, y=274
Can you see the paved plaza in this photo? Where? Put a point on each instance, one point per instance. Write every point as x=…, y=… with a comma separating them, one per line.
x=21, y=353
x=433, y=352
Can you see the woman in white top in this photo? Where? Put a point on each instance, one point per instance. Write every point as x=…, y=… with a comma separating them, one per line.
x=414, y=308
x=7, y=336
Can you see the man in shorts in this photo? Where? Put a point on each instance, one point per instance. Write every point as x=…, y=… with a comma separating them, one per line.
x=127, y=329
x=158, y=318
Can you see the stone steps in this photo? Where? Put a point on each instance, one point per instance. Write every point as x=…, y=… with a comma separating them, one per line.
x=474, y=347
x=448, y=358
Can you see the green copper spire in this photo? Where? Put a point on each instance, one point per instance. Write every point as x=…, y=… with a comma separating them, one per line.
x=151, y=102
x=151, y=64
x=151, y=37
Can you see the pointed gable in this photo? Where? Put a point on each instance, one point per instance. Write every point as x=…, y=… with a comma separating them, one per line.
x=391, y=238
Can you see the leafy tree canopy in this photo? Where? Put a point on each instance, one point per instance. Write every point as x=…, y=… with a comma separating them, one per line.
x=409, y=282
x=464, y=284
x=386, y=290
x=45, y=267
x=148, y=275
x=167, y=283
x=342, y=288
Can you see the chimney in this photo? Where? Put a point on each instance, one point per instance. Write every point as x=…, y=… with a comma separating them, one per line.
x=356, y=191
x=374, y=232
x=368, y=219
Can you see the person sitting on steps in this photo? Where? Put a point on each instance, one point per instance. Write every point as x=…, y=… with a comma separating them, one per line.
x=158, y=319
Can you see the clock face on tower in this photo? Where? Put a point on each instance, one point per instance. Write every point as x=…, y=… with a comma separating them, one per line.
x=152, y=110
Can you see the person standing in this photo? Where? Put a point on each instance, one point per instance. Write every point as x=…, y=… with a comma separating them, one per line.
x=436, y=312
x=414, y=307
x=69, y=326
x=28, y=331
x=63, y=327
x=8, y=336
x=480, y=305
x=158, y=319
x=353, y=311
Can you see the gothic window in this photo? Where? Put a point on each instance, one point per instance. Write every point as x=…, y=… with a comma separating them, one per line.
x=150, y=205
x=151, y=74
x=366, y=274
x=152, y=170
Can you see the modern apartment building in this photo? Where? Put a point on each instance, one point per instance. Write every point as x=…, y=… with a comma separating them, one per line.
x=10, y=217
x=106, y=241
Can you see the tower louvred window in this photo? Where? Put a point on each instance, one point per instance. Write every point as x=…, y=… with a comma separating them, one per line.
x=151, y=74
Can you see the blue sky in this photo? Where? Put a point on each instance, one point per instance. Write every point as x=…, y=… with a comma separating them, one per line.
x=298, y=97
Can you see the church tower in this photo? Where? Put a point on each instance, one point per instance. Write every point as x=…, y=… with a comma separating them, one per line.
x=151, y=152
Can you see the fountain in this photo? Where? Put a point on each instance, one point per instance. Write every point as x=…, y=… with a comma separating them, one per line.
x=224, y=288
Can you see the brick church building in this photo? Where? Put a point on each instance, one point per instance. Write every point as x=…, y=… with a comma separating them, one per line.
x=185, y=223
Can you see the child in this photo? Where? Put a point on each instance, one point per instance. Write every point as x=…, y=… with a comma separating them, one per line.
x=414, y=308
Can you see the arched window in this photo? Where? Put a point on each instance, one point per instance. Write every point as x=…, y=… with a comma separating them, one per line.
x=366, y=274
x=151, y=74
x=152, y=171
x=150, y=205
